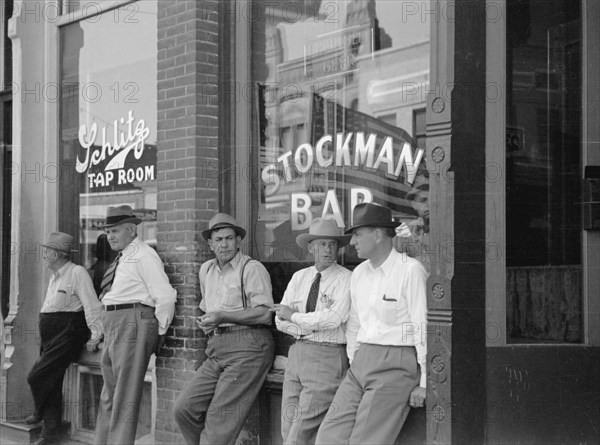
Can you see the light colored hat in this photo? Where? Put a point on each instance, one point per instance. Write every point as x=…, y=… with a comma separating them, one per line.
x=323, y=228
x=120, y=215
x=220, y=221
x=368, y=214
x=63, y=242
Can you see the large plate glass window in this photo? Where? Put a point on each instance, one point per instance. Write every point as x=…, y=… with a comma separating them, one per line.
x=339, y=88
x=107, y=137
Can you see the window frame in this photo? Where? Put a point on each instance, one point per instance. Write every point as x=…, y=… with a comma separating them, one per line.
x=496, y=274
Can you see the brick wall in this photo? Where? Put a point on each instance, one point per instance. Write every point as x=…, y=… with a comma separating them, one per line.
x=187, y=182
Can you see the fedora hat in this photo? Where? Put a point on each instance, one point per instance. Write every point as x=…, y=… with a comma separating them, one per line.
x=120, y=215
x=367, y=214
x=323, y=228
x=60, y=241
x=220, y=221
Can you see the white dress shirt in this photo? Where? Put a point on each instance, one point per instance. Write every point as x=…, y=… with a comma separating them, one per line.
x=140, y=278
x=70, y=289
x=389, y=306
x=328, y=322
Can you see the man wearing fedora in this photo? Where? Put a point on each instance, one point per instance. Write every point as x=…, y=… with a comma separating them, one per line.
x=236, y=297
x=69, y=313
x=139, y=304
x=386, y=334
x=314, y=310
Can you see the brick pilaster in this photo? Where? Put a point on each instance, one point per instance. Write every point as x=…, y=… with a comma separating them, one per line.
x=187, y=182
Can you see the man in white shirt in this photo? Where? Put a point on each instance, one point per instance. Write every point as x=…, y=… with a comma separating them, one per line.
x=139, y=305
x=70, y=308
x=386, y=336
x=236, y=297
x=314, y=310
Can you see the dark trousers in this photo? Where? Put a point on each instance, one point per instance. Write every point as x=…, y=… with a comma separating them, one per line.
x=213, y=406
x=63, y=335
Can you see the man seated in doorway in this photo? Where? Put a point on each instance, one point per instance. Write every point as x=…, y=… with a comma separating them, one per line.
x=236, y=297
x=70, y=308
x=386, y=335
x=314, y=310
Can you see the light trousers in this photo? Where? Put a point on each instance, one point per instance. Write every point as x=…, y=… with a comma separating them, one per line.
x=371, y=404
x=313, y=374
x=214, y=405
x=130, y=338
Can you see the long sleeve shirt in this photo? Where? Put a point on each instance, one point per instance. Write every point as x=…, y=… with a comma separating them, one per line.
x=222, y=288
x=389, y=306
x=140, y=278
x=328, y=322
x=70, y=289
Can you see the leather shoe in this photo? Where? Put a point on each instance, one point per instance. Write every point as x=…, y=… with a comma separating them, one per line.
x=33, y=418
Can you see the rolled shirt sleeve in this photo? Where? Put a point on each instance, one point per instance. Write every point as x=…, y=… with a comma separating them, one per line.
x=257, y=285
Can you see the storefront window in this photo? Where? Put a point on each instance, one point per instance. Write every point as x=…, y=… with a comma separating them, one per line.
x=338, y=87
x=543, y=171
x=107, y=149
x=108, y=119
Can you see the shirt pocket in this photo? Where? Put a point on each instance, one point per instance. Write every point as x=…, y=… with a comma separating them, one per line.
x=388, y=311
x=232, y=297
x=61, y=298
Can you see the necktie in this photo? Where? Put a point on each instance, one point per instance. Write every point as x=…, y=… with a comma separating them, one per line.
x=109, y=276
x=313, y=294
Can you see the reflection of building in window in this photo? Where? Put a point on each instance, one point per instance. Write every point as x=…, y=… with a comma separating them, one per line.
x=419, y=127
x=349, y=79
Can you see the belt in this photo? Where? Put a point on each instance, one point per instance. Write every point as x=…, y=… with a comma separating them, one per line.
x=321, y=343
x=220, y=330
x=118, y=307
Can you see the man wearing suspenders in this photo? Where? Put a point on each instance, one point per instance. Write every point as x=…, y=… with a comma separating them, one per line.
x=236, y=297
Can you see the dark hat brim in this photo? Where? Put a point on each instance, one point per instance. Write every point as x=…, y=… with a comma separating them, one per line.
x=304, y=238
x=121, y=219
x=237, y=229
x=387, y=224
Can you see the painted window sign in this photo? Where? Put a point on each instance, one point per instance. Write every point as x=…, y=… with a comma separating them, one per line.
x=375, y=154
x=119, y=157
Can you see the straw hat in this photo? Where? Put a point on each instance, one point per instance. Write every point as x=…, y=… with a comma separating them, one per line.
x=323, y=228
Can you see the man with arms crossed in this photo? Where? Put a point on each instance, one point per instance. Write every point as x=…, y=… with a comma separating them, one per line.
x=386, y=335
x=236, y=297
x=314, y=310
x=139, y=305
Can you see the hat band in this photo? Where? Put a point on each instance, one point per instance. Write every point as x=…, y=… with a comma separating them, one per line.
x=222, y=225
x=117, y=219
x=375, y=223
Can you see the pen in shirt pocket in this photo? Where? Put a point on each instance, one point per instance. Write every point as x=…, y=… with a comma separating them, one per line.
x=388, y=299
